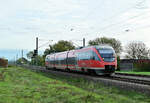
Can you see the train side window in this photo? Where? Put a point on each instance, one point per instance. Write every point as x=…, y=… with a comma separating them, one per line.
x=82, y=56
x=95, y=56
x=85, y=55
x=91, y=56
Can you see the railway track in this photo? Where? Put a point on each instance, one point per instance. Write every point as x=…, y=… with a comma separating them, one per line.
x=143, y=80
x=130, y=80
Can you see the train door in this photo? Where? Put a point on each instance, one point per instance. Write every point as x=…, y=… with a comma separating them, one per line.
x=71, y=60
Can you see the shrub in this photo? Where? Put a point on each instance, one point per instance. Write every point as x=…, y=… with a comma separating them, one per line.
x=3, y=62
x=143, y=67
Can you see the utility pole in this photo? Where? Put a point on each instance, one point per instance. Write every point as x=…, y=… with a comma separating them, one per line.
x=37, y=44
x=36, y=59
x=83, y=42
x=22, y=53
x=16, y=58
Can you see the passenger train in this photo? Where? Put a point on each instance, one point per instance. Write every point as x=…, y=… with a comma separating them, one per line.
x=99, y=60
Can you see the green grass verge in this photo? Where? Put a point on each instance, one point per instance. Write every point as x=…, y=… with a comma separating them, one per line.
x=18, y=85
x=131, y=72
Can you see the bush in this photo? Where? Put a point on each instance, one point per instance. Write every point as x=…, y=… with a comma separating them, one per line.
x=142, y=67
x=38, y=60
x=3, y=62
x=10, y=65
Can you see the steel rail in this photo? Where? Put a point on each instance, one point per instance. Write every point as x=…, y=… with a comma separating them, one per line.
x=136, y=75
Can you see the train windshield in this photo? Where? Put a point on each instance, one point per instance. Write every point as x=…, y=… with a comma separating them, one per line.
x=107, y=54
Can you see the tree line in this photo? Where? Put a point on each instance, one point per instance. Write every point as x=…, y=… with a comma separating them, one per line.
x=133, y=50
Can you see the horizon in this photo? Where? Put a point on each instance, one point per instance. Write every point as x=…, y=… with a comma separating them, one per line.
x=12, y=54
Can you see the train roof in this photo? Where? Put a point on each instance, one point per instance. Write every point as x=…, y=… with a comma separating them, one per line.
x=101, y=46
x=57, y=53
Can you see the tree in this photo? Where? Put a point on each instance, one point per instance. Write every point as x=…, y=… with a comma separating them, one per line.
x=116, y=44
x=30, y=54
x=35, y=60
x=60, y=46
x=137, y=50
x=48, y=51
x=38, y=60
x=22, y=61
x=63, y=46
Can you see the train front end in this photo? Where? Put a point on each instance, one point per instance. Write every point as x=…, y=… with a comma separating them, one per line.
x=108, y=60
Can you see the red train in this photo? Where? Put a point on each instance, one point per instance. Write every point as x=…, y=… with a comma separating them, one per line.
x=98, y=60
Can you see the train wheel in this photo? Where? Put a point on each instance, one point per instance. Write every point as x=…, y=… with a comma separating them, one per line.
x=108, y=75
x=91, y=72
x=68, y=70
x=46, y=68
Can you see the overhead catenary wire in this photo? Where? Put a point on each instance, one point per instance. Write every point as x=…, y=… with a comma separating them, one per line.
x=108, y=27
x=76, y=43
x=121, y=24
x=124, y=11
x=140, y=4
x=116, y=15
x=131, y=30
x=109, y=18
x=45, y=44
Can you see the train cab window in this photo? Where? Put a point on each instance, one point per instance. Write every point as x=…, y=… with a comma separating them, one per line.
x=46, y=59
x=107, y=54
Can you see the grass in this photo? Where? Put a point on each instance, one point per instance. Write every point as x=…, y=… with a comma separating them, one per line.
x=18, y=85
x=132, y=72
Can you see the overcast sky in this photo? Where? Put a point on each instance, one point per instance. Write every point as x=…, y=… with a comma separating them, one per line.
x=24, y=20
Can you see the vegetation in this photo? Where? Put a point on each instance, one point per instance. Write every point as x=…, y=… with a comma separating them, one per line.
x=18, y=85
x=59, y=47
x=38, y=60
x=48, y=51
x=144, y=66
x=30, y=55
x=22, y=61
x=63, y=46
x=132, y=72
x=116, y=44
x=137, y=50
x=3, y=62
